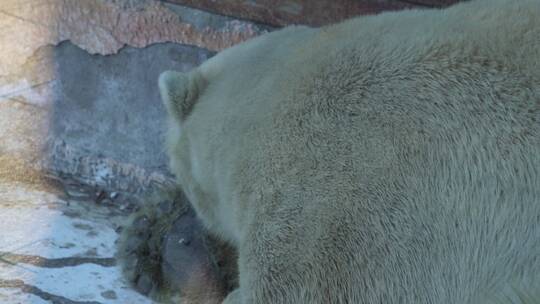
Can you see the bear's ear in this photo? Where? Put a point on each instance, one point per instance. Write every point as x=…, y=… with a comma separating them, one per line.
x=180, y=91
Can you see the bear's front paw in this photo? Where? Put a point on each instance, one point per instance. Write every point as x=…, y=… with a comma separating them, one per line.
x=140, y=251
x=140, y=255
x=166, y=254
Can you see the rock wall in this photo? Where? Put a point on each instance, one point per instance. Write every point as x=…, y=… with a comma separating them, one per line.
x=78, y=93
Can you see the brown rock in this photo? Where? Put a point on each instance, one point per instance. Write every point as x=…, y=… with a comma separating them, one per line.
x=286, y=12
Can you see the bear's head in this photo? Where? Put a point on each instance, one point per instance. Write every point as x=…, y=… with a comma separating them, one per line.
x=213, y=111
x=180, y=92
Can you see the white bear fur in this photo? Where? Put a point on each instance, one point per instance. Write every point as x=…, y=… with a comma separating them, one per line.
x=386, y=159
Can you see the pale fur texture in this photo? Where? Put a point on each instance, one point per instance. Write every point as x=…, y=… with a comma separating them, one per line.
x=386, y=159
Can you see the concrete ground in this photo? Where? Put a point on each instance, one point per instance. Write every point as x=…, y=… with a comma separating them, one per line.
x=58, y=244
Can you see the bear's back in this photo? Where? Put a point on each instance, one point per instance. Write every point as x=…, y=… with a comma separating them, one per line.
x=363, y=146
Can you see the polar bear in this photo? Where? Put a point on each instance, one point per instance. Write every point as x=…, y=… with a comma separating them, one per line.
x=385, y=159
